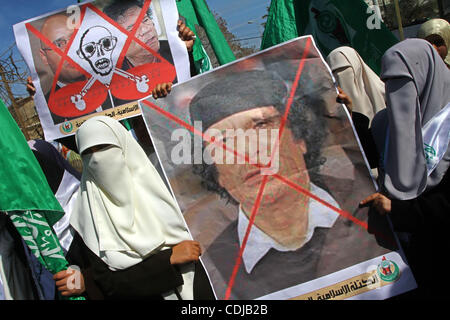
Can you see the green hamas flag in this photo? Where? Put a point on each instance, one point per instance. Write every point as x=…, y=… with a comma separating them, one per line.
x=27, y=198
x=332, y=23
x=196, y=13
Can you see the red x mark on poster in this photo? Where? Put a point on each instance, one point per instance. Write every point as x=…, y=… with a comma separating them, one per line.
x=97, y=48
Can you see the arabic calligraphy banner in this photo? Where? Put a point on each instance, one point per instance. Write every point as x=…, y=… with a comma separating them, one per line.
x=268, y=172
x=90, y=59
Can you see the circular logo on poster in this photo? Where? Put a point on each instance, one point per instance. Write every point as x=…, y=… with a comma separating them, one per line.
x=66, y=127
x=326, y=21
x=388, y=270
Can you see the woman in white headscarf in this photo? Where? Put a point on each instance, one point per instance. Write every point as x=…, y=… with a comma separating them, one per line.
x=135, y=237
x=365, y=89
x=412, y=136
x=358, y=81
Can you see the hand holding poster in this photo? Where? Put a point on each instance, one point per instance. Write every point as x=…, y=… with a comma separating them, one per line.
x=97, y=60
x=268, y=173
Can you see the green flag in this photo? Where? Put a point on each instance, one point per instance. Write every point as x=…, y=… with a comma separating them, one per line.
x=196, y=12
x=332, y=23
x=26, y=196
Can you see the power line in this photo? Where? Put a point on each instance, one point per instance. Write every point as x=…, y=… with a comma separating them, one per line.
x=246, y=39
x=251, y=34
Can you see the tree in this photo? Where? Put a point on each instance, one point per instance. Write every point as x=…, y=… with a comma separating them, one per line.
x=12, y=75
x=264, y=17
x=238, y=49
x=12, y=92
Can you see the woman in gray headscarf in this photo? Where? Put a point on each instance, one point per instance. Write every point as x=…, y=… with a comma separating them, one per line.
x=412, y=136
x=417, y=93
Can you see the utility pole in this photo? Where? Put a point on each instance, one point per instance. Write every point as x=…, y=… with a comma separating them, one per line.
x=399, y=20
x=14, y=103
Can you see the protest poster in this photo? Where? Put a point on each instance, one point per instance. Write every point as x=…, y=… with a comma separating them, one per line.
x=99, y=59
x=333, y=24
x=268, y=172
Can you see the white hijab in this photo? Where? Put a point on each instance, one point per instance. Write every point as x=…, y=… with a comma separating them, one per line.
x=124, y=211
x=357, y=80
x=440, y=27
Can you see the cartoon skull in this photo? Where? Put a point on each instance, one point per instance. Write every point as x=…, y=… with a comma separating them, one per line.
x=96, y=46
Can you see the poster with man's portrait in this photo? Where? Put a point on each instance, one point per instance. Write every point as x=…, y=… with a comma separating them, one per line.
x=100, y=58
x=268, y=172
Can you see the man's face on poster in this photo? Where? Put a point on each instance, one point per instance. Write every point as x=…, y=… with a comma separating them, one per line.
x=275, y=216
x=97, y=45
x=146, y=33
x=56, y=31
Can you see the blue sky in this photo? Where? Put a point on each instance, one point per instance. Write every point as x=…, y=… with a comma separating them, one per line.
x=238, y=14
x=14, y=11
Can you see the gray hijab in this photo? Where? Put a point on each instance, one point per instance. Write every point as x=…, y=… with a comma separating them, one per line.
x=417, y=88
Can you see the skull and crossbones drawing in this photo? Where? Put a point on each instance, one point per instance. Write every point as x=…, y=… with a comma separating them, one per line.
x=96, y=47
